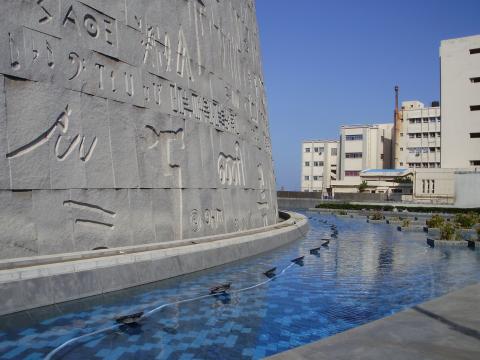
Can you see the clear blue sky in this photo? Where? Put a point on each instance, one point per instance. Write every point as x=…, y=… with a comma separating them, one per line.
x=333, y=62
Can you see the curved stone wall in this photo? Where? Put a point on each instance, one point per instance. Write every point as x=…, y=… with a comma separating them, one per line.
x=126, y=122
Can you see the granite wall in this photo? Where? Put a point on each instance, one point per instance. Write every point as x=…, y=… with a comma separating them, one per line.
x=125, y=122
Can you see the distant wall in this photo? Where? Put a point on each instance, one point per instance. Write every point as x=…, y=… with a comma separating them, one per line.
x=467, y=189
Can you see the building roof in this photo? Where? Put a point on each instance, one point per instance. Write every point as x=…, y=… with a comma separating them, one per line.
x=385, y=172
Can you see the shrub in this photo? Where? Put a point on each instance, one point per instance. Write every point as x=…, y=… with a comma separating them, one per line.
x=377, y=215
x=447, y=232
x=466, y=221
x=363, y=186
x=342, y=212
x=405, y=222
x=435, y=221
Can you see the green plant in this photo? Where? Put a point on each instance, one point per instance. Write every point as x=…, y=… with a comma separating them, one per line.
x=363, y=186
x=466, y=221
x=435, y=221
x=342, y=212
x=377, y=215
x=403, y=180
x=348, y=206
x=447, y=232
x=405, y=222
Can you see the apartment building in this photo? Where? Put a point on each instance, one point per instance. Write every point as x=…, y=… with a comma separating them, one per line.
x=364, y=147
x=319, y=165
x=418, y=132
x=460, y=102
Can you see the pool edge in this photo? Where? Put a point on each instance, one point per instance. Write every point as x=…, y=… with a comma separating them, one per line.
x=53, y=283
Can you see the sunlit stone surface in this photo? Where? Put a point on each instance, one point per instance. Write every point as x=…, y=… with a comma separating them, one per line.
x=130, y=122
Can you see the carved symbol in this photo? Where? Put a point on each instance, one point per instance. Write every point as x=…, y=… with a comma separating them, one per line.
x=94, y=209
x=62, y=122
x=80, y=64
x=195, y=220
x=48, y=17
x=230, y=168
x=14, y=53
x=91, y=25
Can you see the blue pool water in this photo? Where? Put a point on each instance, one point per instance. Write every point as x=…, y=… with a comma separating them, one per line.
x=370, y=271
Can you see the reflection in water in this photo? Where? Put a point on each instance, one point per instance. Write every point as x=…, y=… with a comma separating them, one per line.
x=367, y=272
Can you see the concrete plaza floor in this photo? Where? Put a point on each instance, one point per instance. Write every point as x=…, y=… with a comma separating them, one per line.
x=444, y=328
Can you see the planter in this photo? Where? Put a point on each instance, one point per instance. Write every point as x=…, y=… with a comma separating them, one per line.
x=410, y=228
x=375, y=221
x=447, y=243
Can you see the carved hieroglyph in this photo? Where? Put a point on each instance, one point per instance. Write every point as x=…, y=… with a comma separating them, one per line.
x=125, y=122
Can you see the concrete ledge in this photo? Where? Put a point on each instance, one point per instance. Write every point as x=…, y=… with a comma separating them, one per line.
x=445, y=328
x=50, y=280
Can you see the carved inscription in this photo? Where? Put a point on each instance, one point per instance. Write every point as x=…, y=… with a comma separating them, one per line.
x=262, y=202
x=106, y=216
x=230, y=168
x=62, y=152
x=210, y=218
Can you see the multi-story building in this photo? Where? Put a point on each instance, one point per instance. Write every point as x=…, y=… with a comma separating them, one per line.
x=319, y=165
x=418, y=134
x=364, y=147
x=460, y=102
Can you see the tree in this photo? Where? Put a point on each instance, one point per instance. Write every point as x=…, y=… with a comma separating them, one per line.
x=363, y=186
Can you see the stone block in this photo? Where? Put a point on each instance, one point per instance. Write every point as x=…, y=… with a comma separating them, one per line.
x=17, y=221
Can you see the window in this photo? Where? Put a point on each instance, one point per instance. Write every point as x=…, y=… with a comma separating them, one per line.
x=438, y=134
x=307, y=163
x=475, y=108
x=425, y=120
x=411, y=121
x=475, y=51
x=307, y=178
x=439, y=119
x=475, y=162
x=355, y=155
x=423, y=186
x=354, y=137
x=418, y=135
x=401, y=163
x=315, y=149
x=432, y=134
x=307, y=149
x=425, y=135
x=318, y=163
x=411, y=136
x=352, y=173
x=334, y=152
x=432, y=149
x=315, y=178
x=433, y=186
x=475, y=79
x=401, y=149
x=381, y=156
x=401, y=134
x=321, y=149
x=474, y=135
x=432, y=119
x=418, y=121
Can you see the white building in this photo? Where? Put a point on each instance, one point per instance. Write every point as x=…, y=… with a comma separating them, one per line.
x=460, y=102
x=319, y=165
x=364, y=147
x=418, y=140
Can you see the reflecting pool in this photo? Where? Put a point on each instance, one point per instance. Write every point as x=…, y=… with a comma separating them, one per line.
x=368, y=272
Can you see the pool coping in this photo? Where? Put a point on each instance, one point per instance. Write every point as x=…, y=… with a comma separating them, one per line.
x=65, y=277
x=445, y=328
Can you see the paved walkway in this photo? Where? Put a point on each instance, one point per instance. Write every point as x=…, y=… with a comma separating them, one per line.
x=445, y=328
